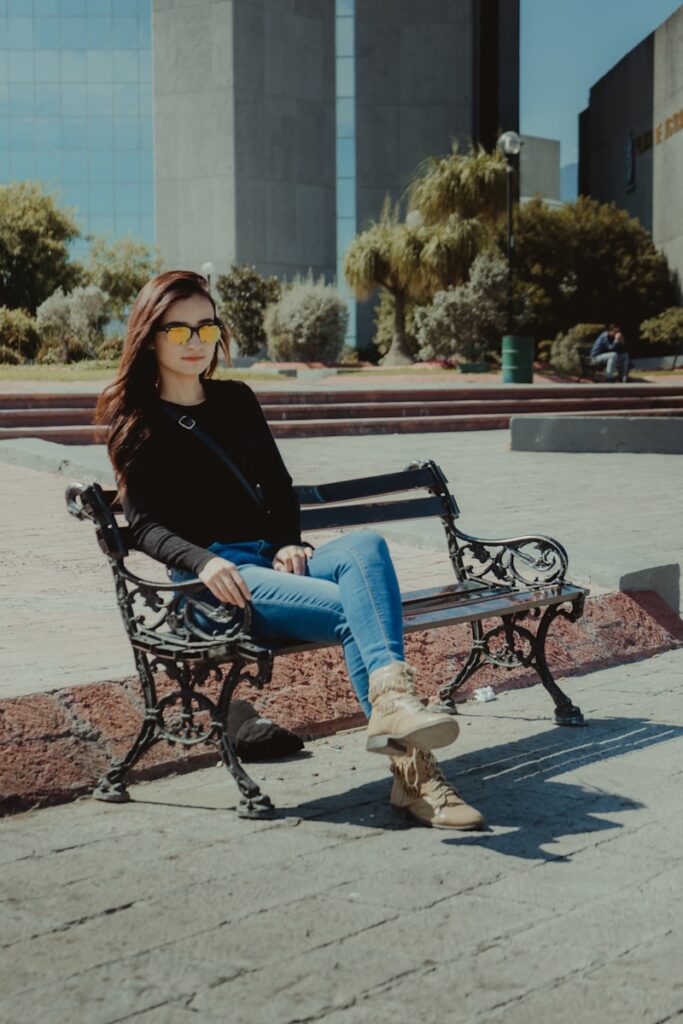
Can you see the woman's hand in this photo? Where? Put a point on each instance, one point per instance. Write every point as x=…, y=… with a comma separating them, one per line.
x=291, y=559
x=225, y=582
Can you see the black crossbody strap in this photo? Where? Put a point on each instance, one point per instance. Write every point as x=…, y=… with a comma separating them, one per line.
x=190, y=424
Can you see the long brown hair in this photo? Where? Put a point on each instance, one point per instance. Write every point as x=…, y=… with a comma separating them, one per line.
x=128, y=404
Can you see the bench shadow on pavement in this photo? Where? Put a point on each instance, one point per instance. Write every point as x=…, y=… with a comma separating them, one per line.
x=516, y=786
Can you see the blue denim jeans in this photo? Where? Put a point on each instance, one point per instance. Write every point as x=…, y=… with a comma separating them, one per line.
x=349, y=595
x=613, y=363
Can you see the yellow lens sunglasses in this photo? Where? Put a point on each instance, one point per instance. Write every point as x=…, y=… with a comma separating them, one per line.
x=180, y=334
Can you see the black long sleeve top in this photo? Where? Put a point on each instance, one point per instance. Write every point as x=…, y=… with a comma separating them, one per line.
x=180, y=496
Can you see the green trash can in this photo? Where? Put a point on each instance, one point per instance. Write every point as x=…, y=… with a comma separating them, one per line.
x=518, y=359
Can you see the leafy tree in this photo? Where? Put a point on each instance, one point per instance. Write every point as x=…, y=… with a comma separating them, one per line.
x=308, y=322
x=19, y=338
x=665, y=329
x=246, y=295
x=71, y=325
x=34, y=246
x=455, y=202
x=466, y=320
x=587, y=262
x=120, y=269
x=410, y=262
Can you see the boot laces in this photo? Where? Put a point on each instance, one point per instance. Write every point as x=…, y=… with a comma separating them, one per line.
x=419, y=768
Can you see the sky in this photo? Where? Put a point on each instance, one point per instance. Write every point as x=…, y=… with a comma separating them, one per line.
x=566, y=46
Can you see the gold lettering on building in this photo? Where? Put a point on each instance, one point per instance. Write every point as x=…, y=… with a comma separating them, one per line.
x=666, y=128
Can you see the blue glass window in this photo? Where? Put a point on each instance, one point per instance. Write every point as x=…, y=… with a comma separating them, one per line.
x=346, y=197
x=75, y=196
x=125, y=66
x=127, y=225
x=73, y=132
x=70, y=7
x=4, y=133
x=98, y=66
x=346, y=158
x=345, y=8
x=147, y=198
x=346, y=117
x=101, y=164
x=145, y=97
x=124, y=34
x=147, y=229
x=101, y=132
x=4, y=64
x=44, y=8
x=22, y=164
x=146, y=132
x=48, y=133
x=4, y=167
x=23, y=8
x=146, y=165
x=47, y=65
x=101, y=198
x=145, y=66
x=100, y=7
x=20, y=66
x=75, y=166
x=127, y=132
x=346, y=76
x=344, y=38
x=47, y=34
x=127, y=199
x=130, y=8
x=47, y=168
x=74, y=100
x=20, y=33
x=21, y=99
x=73, y=34
x=48, y=100
x=101, y=225
x=100, y=100
x=98, y=33
x=127, y=166
x=144, y=33
x=72, y=65
x=126, y=95
x=22, y=132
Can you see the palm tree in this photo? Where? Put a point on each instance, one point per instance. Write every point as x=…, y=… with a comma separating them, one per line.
x=460, y=184
x=411, y=261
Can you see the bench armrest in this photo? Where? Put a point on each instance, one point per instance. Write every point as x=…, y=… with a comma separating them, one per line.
x=527, y=561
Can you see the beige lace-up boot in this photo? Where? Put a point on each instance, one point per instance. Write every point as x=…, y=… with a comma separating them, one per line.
x=421, y=791
x=399, y=720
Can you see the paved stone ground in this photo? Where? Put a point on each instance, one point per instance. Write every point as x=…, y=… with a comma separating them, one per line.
x=617, y=515
x=171, y=910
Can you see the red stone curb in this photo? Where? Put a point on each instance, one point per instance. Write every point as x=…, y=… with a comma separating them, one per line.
x=54, y=746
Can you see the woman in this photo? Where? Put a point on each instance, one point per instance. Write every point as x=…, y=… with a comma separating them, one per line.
x=238, y=530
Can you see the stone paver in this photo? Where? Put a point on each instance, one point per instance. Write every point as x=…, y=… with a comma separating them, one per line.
x=170, y=909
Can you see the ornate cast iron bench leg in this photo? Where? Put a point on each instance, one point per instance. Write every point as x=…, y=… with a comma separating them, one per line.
x=172, y=718
x=520, y=647
x=253, y=803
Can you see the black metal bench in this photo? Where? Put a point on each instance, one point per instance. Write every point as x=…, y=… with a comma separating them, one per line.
x=589, y=369
x=510, y=581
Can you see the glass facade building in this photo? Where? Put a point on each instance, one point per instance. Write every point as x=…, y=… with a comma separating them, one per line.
x=76, y=108
x=345, y=56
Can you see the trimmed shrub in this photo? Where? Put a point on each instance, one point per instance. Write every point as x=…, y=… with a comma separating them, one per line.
x=564, y=351
x=665, y=329
x=19, y=338
x=308, y=323
x=246, y=295
x=465, y=321
x=111, y=349
x=71, y=326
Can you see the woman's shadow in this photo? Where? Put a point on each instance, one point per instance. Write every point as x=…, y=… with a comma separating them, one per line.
x=515, y=785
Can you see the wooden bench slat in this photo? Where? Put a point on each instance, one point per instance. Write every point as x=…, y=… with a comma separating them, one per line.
x=377, y=512
x=364, y=487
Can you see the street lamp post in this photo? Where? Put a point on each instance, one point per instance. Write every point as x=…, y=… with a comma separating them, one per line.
x=510, y=145
x=207, y=272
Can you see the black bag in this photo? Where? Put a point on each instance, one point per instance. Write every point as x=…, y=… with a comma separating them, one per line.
x=258, y=739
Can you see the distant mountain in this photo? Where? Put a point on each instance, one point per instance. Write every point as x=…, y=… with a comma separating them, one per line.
x=569, y=182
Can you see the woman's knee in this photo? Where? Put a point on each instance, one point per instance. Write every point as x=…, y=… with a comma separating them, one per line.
x=367, y=542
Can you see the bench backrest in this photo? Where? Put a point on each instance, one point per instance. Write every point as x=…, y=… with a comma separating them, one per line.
x=347, y=503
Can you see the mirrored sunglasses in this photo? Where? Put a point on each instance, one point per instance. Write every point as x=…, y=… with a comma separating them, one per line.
x=180, y=334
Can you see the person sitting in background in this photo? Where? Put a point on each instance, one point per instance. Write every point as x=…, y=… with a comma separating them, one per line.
x=609, y=351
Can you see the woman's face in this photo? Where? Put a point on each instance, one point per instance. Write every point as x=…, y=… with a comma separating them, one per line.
x=194, y=356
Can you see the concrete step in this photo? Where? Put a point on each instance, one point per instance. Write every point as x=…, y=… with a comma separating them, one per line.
x=420, y=396
x=332, y=427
